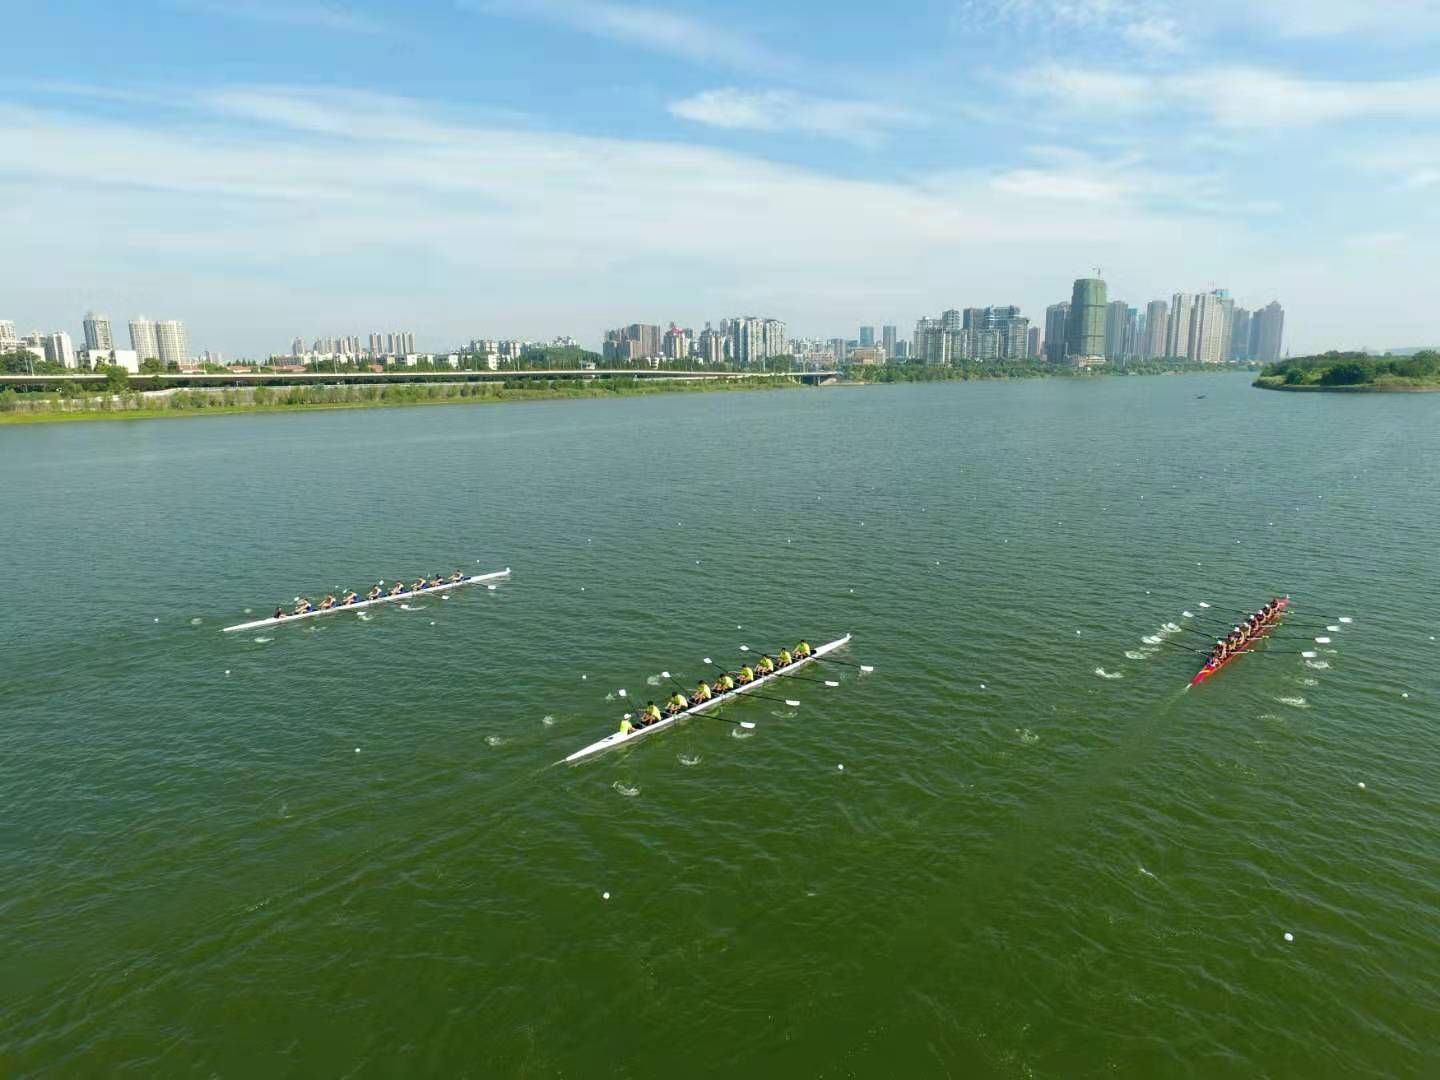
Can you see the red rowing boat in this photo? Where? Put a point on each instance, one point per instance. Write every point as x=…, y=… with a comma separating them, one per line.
x=1211, y=667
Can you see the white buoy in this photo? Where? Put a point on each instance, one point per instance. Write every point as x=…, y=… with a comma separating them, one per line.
x=584, y=676
x=357, y=749
x=1404, y=695
x=982, y=686
x=604, y=896
x=1362, y=785
x=227, y=671
x=840, y=767
x=1289, y=936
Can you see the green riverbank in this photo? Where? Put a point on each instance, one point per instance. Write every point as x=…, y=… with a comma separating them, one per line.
x=1354, y=373
x=130, y=405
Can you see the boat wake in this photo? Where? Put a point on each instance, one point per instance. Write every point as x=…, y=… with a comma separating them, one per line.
x=548, y=721
x=196, y=621
x=1109, y=674
x=628, y=792
x=417, y=607
x=1318, y=665
x=1136, y=654
x=495, y=740
x=1026, y=736
x=736, y=733
x=778, y=715
x=262, y=640
x=689, y=760
x=364, y=616
x=1296, y=702
x=1306, y=680
x=1147, y=873
x=652, y=680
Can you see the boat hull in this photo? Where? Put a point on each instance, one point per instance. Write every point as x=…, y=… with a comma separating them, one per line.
x=618, y=739
x=1208, y=672
x=257, y=624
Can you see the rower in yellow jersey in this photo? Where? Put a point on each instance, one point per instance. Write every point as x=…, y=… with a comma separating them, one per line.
x=676, y=703
x=724, y=684
x=766, y=666
x=701, y=692
x=745, y=675
x=650, y=714
x=802, y=650
x=785, y=659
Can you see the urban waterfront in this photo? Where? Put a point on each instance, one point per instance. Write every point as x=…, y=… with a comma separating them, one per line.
x=344, y=848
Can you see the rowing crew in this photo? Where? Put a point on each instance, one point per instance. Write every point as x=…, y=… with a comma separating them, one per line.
x=303, y=606
x=1241, y=636
x=677, y=702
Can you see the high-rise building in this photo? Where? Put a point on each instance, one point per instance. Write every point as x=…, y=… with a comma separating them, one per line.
x=1057, y=318
x=171, y=343
x=995, y=333
x=838, y=350
x=1177, y=334
x=754, y=340
x=1157, y=327
x=1085, y=334
x=676, y=343
x=1239, y=336
x=143, y=340
x=710, y=346
x=867, y=337
x=1210, y=328
x=1267, y=333
x=890, y=340
x=8, y=340
x=58, y=349
x=1032, y=343
x=1117, y=330
x=98, y=334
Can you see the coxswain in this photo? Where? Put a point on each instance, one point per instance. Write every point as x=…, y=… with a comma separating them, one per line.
x=374, y=594
x=350, y=597
x=785, y=659
x=702, y=692
x=766, y=666
x=745, y=675
x=303, y=606
x=677, y=702
x=279, y=613
x=724, y=684
x=626, y=727
x=458, y=575
x=651, y=714
x=802, y=650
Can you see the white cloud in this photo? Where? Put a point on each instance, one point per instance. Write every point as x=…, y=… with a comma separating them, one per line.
x=1333, y=18
x=861, y=122
x=1237, y=97
x=333, y=208
x=322, y=16
x=650, y=28
x=1380, y=242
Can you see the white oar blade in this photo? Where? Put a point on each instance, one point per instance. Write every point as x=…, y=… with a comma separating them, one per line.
x=707, y=660
x=664, y=674
x=792, y=703
x=747, y=724
x=1322, y=641
x=1346, y=619
x=866, y=668
x=831, y=682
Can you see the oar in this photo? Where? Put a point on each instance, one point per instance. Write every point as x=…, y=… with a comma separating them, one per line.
x=866, y=668
x=738, y=723
x=712, y=716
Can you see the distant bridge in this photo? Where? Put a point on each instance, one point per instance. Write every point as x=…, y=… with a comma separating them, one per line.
x=93, y=380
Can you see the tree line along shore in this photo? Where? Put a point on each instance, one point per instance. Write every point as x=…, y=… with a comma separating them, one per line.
x=1352, y=372
x=118, y=399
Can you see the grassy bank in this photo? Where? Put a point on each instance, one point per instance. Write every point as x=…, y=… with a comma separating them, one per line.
x=51, y=408
x=1354, y=373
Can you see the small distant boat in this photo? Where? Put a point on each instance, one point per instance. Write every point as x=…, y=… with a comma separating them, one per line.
x=1201, y=397
x=359, y=605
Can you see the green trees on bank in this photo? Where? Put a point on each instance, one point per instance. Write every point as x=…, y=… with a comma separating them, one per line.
x=1342, y=369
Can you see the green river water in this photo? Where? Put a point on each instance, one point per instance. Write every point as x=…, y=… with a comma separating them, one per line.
x=344, y=848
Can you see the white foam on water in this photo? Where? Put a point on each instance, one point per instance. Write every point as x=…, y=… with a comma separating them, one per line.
x=364, y=616
x=736, y=733
x=783, y=715
x=1136, y=654
x=249, y=611
x=262, y=640
x=689, y=760
x=1026, y=736
x=609, y=697
x=628, y=792
x=1309, y=654
x=1318, y=665
x=1151, y=639
x=652, y=680
x=548, y=721
x=196, y=621
x=1296, y=702
x=1306, y=680
x=1188, y=614
x=1147, y=873
x=1108, y=674
x=621, y=692
x=495, y=740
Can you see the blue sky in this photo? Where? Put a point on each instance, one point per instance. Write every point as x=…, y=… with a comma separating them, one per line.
x=529, y=168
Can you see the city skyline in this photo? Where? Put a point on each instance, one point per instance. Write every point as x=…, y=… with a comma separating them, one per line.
x=708, y=159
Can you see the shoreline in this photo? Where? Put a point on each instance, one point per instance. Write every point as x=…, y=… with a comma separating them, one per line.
x=1361, y=388
x=496, y=396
